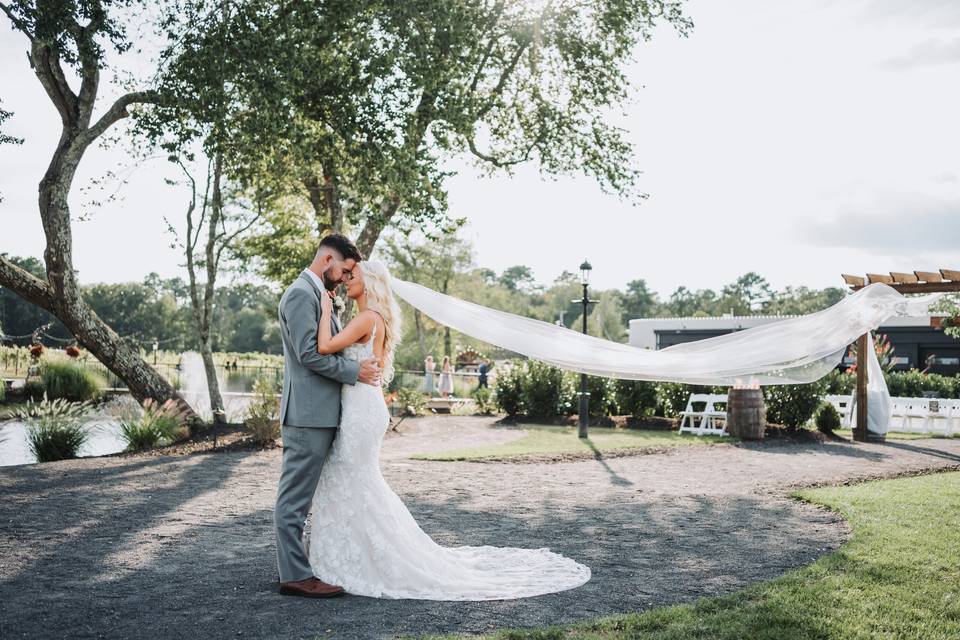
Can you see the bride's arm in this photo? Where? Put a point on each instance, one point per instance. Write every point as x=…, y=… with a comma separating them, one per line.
x=356, y=329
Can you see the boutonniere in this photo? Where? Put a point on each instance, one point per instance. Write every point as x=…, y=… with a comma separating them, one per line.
x=338, y=305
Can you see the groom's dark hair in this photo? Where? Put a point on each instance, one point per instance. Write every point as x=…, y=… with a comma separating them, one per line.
x=342, y=245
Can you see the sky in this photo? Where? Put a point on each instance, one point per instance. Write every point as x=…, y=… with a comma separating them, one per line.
x=799, y=140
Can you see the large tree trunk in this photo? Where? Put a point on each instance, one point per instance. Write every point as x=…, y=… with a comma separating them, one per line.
x=60, y=295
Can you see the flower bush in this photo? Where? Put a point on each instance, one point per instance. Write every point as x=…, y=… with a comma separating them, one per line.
x=509, y=389
x=603, y=395
x=547, y=392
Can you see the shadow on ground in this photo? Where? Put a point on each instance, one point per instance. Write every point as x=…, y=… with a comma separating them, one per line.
x=171, y=548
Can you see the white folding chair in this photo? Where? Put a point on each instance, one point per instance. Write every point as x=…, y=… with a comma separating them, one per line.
x=917, y=409
x=709, y=416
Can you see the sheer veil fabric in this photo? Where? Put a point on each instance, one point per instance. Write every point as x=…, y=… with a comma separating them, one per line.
x=791, y=351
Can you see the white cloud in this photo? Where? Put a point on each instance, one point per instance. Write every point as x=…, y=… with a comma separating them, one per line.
x=930, y=52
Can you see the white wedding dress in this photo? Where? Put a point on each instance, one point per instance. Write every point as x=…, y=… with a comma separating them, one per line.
x=364, y=539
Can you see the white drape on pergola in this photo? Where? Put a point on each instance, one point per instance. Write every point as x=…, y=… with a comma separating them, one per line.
x=790, y=351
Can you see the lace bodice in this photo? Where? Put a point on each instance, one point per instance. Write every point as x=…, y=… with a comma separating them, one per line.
x=361, y=350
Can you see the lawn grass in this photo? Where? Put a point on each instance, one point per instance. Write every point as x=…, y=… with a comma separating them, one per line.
x=898, y=577
x=563, y=440
x=897, y=435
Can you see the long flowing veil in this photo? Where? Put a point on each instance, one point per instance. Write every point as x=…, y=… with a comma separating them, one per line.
x=791, y=351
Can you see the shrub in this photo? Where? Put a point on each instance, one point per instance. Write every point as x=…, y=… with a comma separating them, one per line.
x=509, y=388
x=485, y=400
x=3, y=390
x=33, y=390
x=547, y=392
x=793, y=405
x=263, y=414
x=70, y=381
x=637, y=398
x=158, y=425
x=672, y=396
x=603, y=395
x=828, y=418
x=412, y=401
x=840, y=383
x=913, y=384
x=55, y=429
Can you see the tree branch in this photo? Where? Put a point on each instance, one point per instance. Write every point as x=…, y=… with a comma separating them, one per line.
x=46, y=66
x=117, y=111
x=498, y=162
x=504, y=76
x=17, y=22
x=26, y=285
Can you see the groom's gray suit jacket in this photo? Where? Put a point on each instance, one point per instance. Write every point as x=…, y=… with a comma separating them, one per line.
x=311, y=381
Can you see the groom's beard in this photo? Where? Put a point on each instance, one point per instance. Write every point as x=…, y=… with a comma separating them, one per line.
x=328, y=283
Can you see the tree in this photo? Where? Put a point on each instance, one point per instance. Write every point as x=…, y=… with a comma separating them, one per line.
x=638, y=301
x=434, y=265
x=606, y=320
x=802, y=300
x=745, y=294
x=66, y=36
x=518, y=278
x=356, y=107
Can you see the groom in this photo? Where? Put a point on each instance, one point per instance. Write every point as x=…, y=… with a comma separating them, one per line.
x=310, y=406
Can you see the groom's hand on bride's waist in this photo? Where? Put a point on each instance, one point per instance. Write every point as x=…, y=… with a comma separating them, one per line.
x=369, y=372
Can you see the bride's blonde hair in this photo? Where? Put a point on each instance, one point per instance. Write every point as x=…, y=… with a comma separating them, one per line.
x=380, y=298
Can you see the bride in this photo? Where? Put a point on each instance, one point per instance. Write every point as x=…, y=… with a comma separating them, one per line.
x=363, y=538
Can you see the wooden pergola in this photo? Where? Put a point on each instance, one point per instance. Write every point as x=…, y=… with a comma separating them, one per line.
x=942, y=281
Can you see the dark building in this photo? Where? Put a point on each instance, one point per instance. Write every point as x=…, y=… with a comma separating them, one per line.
x=918, y=343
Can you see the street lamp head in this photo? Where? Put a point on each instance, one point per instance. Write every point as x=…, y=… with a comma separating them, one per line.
x=585, y=269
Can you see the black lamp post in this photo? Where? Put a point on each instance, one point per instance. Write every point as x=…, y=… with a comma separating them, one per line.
x=582, y=432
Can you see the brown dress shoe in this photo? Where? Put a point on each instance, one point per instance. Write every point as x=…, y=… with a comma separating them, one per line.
x=310, y=588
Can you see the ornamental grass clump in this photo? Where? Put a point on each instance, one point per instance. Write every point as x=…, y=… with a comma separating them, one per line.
x=55, y=428
x=159, y=425
x=71, y=381
x=263, y=413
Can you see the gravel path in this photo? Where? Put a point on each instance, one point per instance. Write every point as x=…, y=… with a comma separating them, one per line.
x=182, y=547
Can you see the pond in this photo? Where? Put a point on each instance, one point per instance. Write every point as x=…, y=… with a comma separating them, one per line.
x=104, y=439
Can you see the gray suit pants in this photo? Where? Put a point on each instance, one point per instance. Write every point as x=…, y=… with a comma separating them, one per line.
x=304, y=452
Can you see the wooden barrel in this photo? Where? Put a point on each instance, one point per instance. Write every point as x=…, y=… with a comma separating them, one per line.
x=746, y=414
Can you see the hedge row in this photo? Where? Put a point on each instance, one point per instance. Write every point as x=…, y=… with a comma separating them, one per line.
x=536, y=390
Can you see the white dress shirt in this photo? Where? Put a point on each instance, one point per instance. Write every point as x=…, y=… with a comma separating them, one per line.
x=317, y=280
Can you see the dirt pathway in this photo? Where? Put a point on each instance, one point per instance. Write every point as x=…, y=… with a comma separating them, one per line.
x=183, y=547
